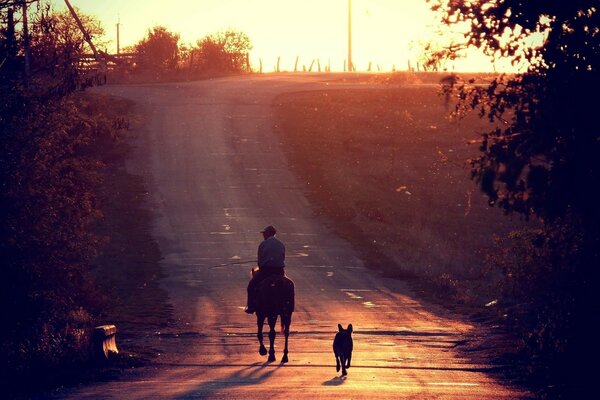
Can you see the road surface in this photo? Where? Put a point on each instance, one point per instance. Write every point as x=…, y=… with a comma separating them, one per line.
x=216, y=175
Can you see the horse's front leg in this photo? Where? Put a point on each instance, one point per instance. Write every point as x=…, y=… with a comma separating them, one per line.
x=286, y=320
x=260, y=321
x=272, y=320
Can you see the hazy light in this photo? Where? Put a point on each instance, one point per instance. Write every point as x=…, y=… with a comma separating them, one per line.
x=385, y=32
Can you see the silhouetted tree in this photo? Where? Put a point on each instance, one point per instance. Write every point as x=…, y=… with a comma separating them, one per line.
x=543, y=159
x=49, y=177
x=159, y=51
x=223, y=52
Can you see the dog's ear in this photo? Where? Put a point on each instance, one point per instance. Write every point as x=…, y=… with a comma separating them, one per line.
x=350, y=328
x=340, y=329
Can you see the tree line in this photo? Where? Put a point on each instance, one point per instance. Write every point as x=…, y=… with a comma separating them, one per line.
x=162, y=54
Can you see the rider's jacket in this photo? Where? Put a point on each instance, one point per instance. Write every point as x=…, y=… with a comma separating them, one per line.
x=271, y=253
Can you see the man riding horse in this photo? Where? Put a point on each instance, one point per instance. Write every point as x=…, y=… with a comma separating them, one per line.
x=271, y=257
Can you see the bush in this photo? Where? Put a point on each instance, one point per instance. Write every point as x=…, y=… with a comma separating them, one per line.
x=546, y=301
x=49, y=174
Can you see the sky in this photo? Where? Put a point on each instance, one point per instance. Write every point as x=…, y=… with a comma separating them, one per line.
x=387, y=33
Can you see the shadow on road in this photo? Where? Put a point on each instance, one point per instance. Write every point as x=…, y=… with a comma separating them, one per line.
x=249, y=375
x=335, y=381
x=354, y=366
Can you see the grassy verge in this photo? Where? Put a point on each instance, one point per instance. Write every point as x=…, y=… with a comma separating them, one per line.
x=389, y=171
x=68, y=270
x=126, y=77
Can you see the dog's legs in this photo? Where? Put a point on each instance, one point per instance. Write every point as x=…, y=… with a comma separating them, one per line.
x=287, y=320
x=260, y=320
x=272, y=320
x=337, y=363
x=343, y=362
x=348, y=360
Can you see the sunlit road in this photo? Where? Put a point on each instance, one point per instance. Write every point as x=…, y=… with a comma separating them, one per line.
x=217, y=175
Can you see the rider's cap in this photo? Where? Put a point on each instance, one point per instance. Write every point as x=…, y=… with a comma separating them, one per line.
x=269, y=230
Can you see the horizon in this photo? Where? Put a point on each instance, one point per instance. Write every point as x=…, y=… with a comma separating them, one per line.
x=387, y=33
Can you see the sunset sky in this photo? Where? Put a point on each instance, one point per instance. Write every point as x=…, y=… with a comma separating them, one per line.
x=386, y=32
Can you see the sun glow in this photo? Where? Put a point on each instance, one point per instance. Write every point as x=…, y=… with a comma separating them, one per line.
x=386, y=33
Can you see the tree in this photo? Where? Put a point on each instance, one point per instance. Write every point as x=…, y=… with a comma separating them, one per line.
x=49, y=177
x=57, y=43
x=542, y=160
x=159, y=51
x=225, y=51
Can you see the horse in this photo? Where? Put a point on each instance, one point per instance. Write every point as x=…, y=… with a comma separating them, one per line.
x=274, y=298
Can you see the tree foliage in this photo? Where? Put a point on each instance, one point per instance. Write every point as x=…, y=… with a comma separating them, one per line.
x=222, y=52
x=49, y=176
x=159, y=51
x=542, y=160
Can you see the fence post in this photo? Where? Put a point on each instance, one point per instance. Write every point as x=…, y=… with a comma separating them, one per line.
x=296, y=64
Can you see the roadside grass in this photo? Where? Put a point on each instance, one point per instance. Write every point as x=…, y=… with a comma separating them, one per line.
x=137, y=77
x=126, y=270
x=389, y=170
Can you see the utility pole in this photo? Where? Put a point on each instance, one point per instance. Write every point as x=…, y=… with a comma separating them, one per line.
x=26, y=43
x=86, y=35
x=350, y=64
x=118, y=42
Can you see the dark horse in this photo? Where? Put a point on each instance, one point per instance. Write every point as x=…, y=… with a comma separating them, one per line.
x=274, y=297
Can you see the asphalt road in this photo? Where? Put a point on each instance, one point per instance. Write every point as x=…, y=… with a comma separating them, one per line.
x=216, y=175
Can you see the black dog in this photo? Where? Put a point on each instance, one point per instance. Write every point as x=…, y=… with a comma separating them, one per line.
x=342, y=348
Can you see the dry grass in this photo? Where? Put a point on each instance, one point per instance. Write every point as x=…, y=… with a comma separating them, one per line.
x=389, y=168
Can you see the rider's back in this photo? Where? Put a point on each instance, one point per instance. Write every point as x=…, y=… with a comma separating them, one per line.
x=276, y=294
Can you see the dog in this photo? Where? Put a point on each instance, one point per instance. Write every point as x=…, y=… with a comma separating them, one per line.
x=342, y=348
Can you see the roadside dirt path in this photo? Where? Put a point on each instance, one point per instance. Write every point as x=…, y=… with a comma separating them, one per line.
x=217, y=175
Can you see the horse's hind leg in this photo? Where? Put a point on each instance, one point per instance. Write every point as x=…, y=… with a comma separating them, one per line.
x=286, y=320
x=260, y=320
x=272, y=334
